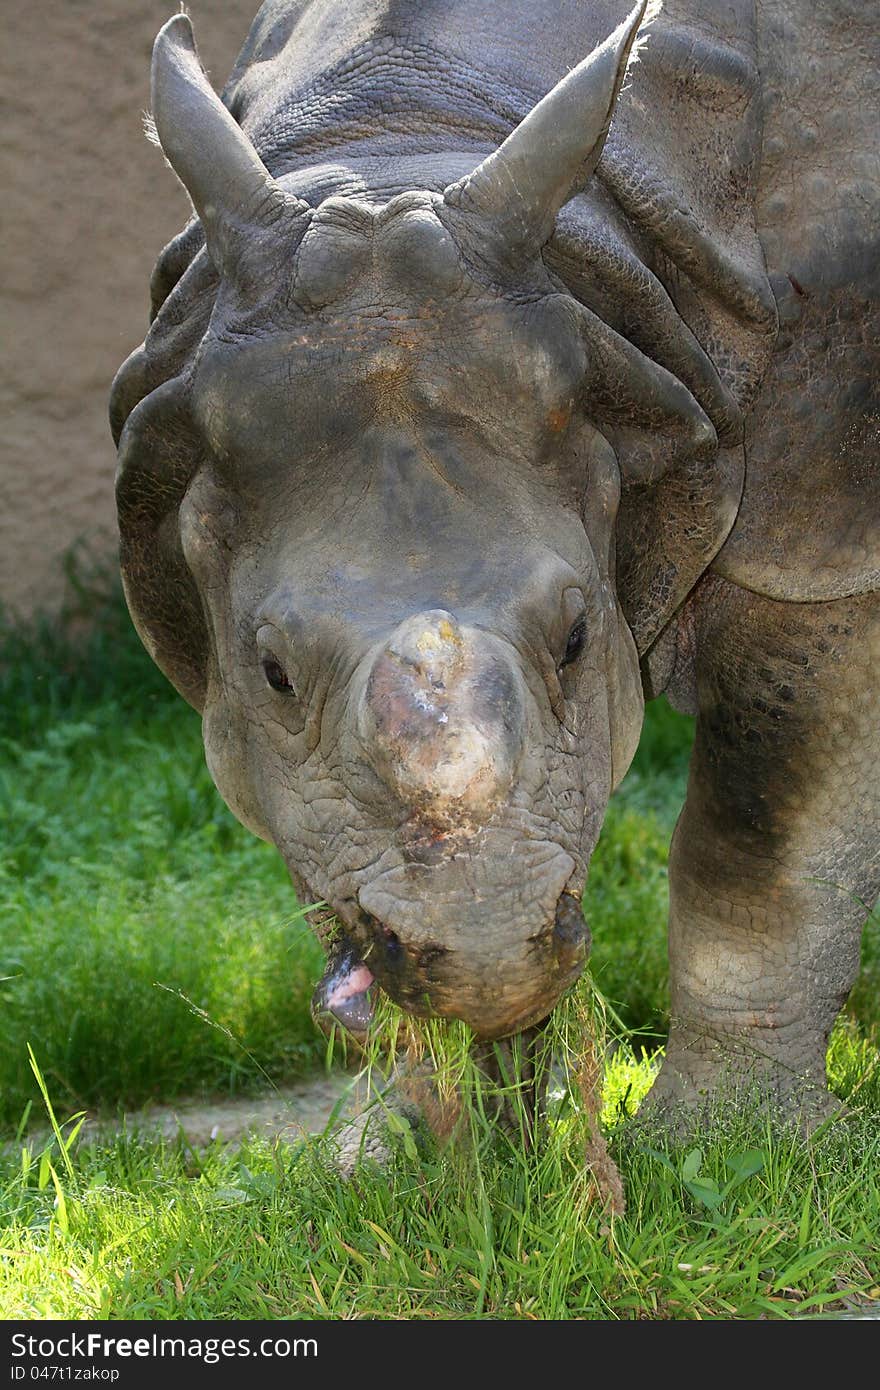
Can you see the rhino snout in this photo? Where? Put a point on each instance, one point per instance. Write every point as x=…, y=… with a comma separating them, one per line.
x=441, y=716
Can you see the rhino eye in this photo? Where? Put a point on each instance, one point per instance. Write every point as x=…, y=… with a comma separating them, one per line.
x=575, y=645
x=276, y=676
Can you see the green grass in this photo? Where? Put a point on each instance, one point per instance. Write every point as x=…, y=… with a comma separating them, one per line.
x=125, y=884
x=152, y=947
x=627, y=898
x=749, y=1222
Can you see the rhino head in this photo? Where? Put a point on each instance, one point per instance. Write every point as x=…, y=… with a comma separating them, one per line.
x=369, y=527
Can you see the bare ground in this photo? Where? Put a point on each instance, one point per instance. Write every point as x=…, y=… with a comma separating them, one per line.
x=290, y=1113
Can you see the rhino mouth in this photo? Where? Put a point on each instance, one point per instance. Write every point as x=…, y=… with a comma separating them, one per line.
x=348, y=991
x=345, y=996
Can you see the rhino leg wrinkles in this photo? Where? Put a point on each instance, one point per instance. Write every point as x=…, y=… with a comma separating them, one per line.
x=774, y=861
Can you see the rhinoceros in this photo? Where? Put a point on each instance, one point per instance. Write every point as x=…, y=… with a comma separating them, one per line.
x=518, y=364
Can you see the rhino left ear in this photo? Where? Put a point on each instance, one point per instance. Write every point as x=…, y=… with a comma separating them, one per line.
x=651, y=417
x=667, y=535
x=680, y=486
x=231, y=189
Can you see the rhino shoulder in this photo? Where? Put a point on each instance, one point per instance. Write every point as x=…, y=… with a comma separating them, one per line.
x=809, y=522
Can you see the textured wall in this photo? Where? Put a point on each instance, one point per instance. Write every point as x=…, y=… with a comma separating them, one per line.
x=87, y=205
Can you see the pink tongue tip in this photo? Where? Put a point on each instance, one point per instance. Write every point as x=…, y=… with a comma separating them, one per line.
x=357, y=981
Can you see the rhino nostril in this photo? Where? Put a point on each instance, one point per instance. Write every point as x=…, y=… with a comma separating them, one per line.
x=570, y=928
x=386, y=940
x=391, y=943
x=429, y=957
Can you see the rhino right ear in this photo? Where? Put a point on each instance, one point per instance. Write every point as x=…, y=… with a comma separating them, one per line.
x=159, y=453
x=231, y=189
x=681, y=485
x=517, y=190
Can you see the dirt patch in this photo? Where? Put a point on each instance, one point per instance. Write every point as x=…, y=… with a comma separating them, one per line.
x=88, y=206
x=289, y=1113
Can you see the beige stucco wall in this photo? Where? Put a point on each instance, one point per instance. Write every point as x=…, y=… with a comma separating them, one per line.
x=86, y=204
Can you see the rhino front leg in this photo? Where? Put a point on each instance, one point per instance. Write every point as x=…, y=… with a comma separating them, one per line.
x=415, y=1097
x=775, y=857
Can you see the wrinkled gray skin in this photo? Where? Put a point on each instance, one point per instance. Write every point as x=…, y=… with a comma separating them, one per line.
x=462, y=422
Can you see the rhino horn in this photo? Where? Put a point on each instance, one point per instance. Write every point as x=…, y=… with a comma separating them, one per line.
x=519, y=188
x=231, y=189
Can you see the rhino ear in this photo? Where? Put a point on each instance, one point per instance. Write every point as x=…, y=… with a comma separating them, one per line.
x=158, y=457
x=231, y=189
x=680, y=488
x=518, y=189
x=649, y=414
x=668, y=533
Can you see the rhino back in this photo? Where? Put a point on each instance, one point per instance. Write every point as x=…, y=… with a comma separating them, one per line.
x=315, y=74
x=809, y=522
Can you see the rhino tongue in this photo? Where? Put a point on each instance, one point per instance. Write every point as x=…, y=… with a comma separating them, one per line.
x=344, y=994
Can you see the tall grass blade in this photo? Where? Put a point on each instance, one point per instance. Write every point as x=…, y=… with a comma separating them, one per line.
x=63, y=1145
